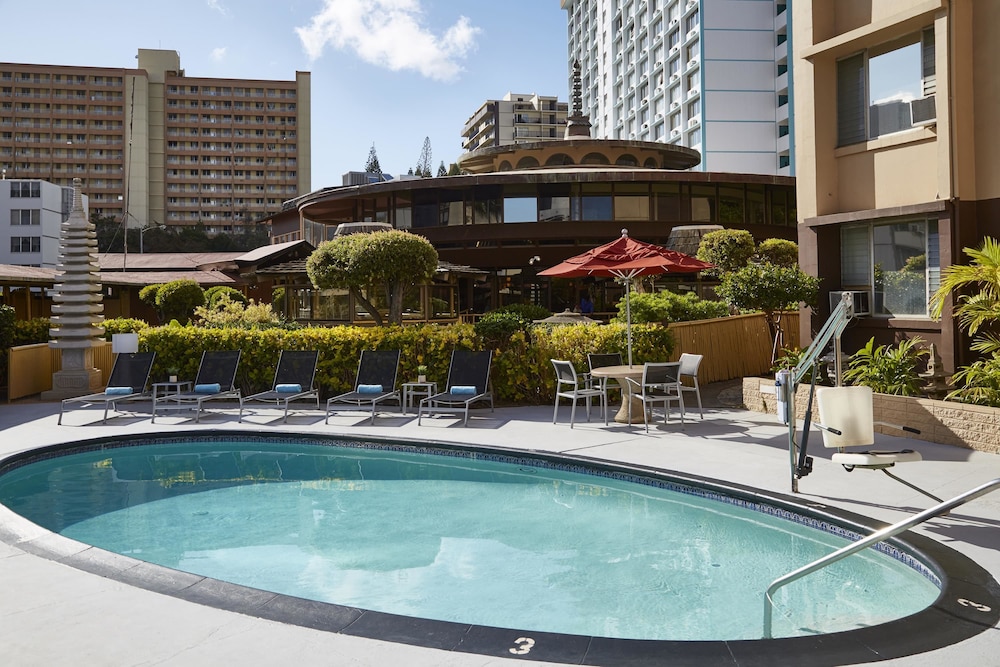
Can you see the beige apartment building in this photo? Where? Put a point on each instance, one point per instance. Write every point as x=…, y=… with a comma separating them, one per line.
x=515, y=119
x=155, y=146
x=897, y=145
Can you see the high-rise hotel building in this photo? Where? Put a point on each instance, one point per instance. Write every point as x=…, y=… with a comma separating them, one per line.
x=707, y=74
x=152, y=145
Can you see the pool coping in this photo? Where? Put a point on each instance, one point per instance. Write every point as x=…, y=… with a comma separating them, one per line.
x=956, y=615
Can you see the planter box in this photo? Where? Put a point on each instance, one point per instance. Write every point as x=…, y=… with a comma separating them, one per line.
x=944, y=422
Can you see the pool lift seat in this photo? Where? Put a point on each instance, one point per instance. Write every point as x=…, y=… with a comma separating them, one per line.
x=846, y=418
x=848, y=413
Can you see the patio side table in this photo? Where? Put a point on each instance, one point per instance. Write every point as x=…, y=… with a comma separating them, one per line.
x=412, y=391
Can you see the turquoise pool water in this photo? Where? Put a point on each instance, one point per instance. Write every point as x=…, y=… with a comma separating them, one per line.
x=459, y=539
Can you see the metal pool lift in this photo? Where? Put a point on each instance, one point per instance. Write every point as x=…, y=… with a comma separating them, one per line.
x=847, y=411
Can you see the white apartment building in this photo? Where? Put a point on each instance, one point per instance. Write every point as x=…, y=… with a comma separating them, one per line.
x=31, y=212
x=708, y=74
x=515, y=119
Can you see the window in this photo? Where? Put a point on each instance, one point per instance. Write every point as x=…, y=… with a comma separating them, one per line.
x=898, y=261
x=25, y=217
x=875, y=87
x=25, y=189
x=26, y=244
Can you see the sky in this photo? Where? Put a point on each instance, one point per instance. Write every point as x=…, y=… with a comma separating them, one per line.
x=387, y=73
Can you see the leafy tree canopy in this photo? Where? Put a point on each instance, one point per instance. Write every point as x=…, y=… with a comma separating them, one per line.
x=727, y=249
x=771, y=289
x=781, y=252
x=390, y=261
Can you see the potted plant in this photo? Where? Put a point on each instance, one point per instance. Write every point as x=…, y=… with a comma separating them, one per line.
x=172, y=374
x=421, y=373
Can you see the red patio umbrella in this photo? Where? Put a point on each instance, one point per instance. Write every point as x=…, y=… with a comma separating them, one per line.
x=626, y=258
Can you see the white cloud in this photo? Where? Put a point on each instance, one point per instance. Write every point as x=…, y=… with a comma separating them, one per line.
x=898, y=96
x=218, y=54
x=217, y=6
x=390, y=34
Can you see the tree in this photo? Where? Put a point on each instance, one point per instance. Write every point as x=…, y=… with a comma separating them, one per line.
x=441, y=170
x=177, y=300
x=454, y=170
x=771, y=289
x=424, y=161
x=727, y=249
x=780, y=252
x=372, y=166
x=390, y=261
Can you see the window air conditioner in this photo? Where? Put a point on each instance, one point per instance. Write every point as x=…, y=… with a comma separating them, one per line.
x=860, y=301
x=693, y=32
x=693, y=122
x=675, y=105
x=674, y=22
x=675, y=132
x=674, y=49
x=645, y=126
x=923, y=111
x=675, y=77
x=658, y=63
x=659, y=116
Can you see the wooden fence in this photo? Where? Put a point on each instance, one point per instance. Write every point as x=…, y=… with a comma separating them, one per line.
x=734, y=347
x=30, y=368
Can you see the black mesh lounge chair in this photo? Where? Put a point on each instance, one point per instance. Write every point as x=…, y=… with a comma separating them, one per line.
x=129, y=376
x=293, y=381
x=376, y=382
x=216, y=380
x=468, y=383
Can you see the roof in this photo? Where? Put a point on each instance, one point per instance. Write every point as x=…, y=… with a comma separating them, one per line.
x=167, y=261
x=12, y=274
x=298, y=266
x=271, y=251
x=203, y=278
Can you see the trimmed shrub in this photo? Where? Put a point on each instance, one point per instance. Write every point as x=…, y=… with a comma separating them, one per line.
x=497, y=328
x=177, y=300
x=212, y=295
x=528, y=311
x=669, y=306
x=29, y=332
x=120, y=325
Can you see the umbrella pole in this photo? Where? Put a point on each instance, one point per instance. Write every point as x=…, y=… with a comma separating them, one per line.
x=628, y=318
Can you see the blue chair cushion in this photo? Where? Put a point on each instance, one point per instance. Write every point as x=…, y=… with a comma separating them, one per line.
x=369, y=389
x=288, y=388
x=463, y=390
x=207, y=388
x=118, y=391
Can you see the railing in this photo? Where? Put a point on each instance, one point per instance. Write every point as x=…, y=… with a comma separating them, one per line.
x=874, y=538
x=30, y=368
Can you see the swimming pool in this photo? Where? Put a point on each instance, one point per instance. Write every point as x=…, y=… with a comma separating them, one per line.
x=468, y=526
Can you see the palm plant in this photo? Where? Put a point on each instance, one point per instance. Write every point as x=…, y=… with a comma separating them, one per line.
x=888, y=370
x=982, y=308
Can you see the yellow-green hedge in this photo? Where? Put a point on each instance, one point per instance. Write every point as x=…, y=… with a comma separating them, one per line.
x=521, y=372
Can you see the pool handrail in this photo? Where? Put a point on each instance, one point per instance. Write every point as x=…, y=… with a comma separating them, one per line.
x=877, y=536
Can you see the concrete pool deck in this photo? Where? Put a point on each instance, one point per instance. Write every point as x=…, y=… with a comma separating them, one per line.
x=54, y=614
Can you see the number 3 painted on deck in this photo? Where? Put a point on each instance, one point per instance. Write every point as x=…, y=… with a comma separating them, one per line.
x=974, y=605
x=524, y=645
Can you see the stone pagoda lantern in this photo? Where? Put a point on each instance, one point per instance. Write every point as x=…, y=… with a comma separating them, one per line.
x=77, y=310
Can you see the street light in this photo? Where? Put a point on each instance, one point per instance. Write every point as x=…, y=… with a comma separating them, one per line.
x=146, y=228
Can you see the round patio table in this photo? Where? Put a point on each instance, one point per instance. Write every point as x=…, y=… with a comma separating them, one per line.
x=620, y=373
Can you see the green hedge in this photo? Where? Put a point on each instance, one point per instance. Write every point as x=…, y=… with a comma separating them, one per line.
x=521, y=373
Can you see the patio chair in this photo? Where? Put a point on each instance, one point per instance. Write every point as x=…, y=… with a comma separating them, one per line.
x=569, y=385
x=293, y=381
x=847, y=420
x=215, y=381
x=599, y=361
x=689, y=369
x=375, y=383
x=468, y=383
x=127, y=382
x=660, y=384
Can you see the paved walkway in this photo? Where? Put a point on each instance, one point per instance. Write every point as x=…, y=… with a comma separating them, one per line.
x=52, y=614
